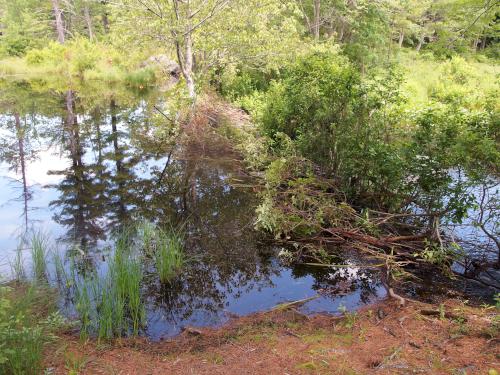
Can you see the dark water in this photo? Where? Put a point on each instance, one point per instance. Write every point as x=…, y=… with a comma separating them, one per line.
x=79, y=165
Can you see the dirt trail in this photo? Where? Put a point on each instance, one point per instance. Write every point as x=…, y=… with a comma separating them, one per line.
x=381, y=339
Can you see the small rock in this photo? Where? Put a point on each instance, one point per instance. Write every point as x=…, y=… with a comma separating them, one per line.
x=381, y=314
x=192, y=331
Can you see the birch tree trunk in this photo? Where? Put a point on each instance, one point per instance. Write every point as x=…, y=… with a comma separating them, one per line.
x=185, y=60
x=420, y=43
x=401, y=38
x=88, y=21
x=317, y=18
x=105, y=19
x=59, y=21
x=188, y=67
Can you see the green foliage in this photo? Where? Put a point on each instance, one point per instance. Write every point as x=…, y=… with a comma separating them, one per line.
x=27, y=324
x=240, y=82
x=140, y=79
x=323, y=119
x=25, y=25
x=338, y=121
x=74, y=58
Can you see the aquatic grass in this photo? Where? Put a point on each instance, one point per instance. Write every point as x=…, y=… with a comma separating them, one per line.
x=164, y=246
x=61, y=276
x=147, y=232
x=39, y=244
x=135, y=305
x=141, y=78
x=17, y=265
x=83, y=307
x=169, y=254
x=110, y=304
x=108, y=327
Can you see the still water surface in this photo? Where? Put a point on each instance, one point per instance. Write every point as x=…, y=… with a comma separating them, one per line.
x=79, y=166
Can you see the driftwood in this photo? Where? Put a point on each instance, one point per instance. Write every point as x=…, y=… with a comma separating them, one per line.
x=300, y=302
x=382, y=242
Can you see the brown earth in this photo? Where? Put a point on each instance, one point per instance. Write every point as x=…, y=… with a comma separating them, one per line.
x=451, y=338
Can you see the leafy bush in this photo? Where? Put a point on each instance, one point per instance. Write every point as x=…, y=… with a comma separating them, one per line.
x=240, y=82
x=339, y=121
x=141, y=78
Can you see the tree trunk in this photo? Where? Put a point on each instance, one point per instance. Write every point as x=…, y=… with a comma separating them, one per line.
x=317, y=18
x=401, y=38
x=475, y=44
x=186, y=64
x=420, y=43
x=59, y=21
x=342, y=30
x=20, y=141
x=483, y=42
x=105, y=19
x=88, y=20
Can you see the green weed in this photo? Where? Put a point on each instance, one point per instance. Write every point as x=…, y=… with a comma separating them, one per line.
x=17, y=265
x=169, y=256
x=110, y=305
x=27, y=325
x=39, y=246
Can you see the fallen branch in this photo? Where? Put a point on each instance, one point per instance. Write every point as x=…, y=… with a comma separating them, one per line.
x=287, y=305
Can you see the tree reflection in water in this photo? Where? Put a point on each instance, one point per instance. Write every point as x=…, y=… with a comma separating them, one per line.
x=117, y=172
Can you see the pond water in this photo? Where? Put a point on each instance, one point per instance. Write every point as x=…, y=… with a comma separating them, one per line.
x=80, y=165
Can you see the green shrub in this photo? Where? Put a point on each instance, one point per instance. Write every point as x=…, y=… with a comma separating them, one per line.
x=340, y=122
x=141, y=78
x=240, y=82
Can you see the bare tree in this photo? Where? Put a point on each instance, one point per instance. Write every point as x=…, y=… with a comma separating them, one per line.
x=88, y=21
x=59, y=21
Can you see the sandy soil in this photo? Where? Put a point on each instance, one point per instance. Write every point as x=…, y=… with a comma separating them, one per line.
x=380, y=339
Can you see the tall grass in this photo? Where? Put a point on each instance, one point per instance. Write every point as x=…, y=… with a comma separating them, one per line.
x=61, y=276
x=164, y=246
x=39, y=246
x=17, y=265
x=169, y=255
x=83, y=307
x=110, y=305
x=108, y=301
x=147, y=231
x=140, y=79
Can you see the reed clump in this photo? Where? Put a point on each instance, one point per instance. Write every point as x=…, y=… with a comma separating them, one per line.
x=39, y=250
x=164, y=247
x=109, y=302
x=169, y=255
x=110, y=305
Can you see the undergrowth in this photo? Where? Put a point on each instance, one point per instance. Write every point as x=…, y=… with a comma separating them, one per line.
x=28, y=323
